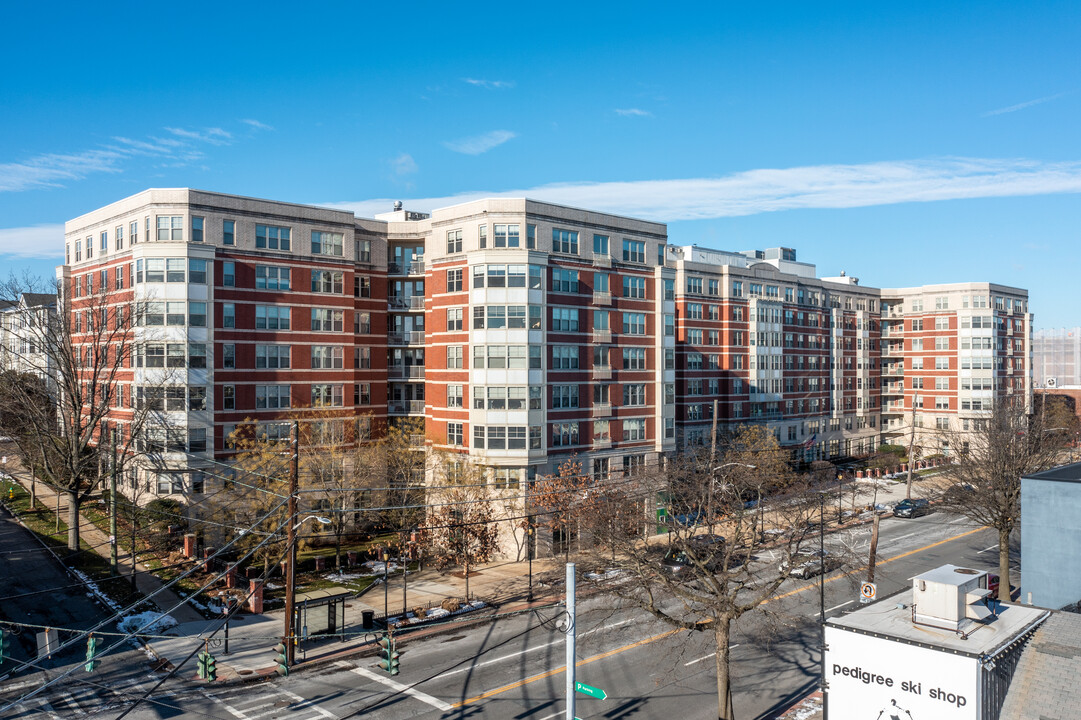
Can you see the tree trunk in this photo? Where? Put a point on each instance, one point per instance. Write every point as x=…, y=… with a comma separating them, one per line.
x=73, y=521
x=722, y=633
x=1004, y=564
x=338, y=552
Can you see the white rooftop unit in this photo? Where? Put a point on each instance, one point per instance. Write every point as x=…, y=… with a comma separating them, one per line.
x=950, y=597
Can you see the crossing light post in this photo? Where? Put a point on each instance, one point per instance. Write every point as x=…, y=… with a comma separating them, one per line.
x=390, y=653
x=208, y=669
x=5, y=645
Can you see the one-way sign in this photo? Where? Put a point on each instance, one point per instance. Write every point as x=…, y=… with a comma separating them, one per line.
x=590, y=691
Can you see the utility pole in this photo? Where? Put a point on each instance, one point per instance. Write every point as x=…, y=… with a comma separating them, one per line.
x=112, y=509
x=911, y=444
x=571, y=633
x=874, y=549
x=291, y=551
x=712, y=465
x=822, y=596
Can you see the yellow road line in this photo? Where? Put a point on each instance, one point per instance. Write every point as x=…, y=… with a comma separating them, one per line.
x=668, y=633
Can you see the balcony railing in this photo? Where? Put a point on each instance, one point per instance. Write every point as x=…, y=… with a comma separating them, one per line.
x=403, y=407
x=602, y=443
x=413, y=302
x=602, y=409
x=414, y=267
x=602, y=336
x=602, y=261
x=603, y=372
x=414, y=337
x=406, y=371
x=602, y=298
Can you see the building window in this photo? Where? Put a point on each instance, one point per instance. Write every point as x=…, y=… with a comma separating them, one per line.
x=326, y=357
x=564, y=320
x=565, y=241
x=362, y=286
x=564, y=434
x=196, y=440
x=228, y=315
x=563, y=396
x=196, y=229
x=362, y=358
x=175, y=270
x=634, y=395
x=228, y=278
x=454, y=433
x=506, y=236
x=482, y=236
x=634, y=429
x=228, y=232
x=634, y=287
x=454, y=356
x=271, y=397
x=362, y=323
x=228, y=356
x=634, y=251
x=362, y=394
x=274, y=317
x=564, y=280
x=272, y=357
x=565, y=357
x=454, y=319
x=133, y=233
x=326, y=243
x=326, y=395
x=196, y=271
x=170, y=228
x=454, y=280
x=197, y=314
x=454, y=241
x=454, y=396
x=119, y=277
x=634, y=323
x=272, y=238
x=270, y=277
x=323, y=320
x=600, y=244
x=197, y=399
x=531, y=237
x=328, y=281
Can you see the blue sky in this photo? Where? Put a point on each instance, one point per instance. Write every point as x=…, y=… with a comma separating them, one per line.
x=907, y=143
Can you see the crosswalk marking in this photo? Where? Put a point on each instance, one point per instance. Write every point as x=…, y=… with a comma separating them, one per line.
x=405, y=689
x=301, y=702
x=67, y=698
x=244, y=705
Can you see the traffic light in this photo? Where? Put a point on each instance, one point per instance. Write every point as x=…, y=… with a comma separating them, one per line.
x=5, y=644
x=390, y=661
x=281, y=660
x=91, y=653
x=207, y=666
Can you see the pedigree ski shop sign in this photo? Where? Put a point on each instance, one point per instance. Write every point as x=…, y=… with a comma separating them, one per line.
x=880, y=679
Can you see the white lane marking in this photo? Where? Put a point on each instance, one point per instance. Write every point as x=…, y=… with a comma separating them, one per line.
x=835, y=607
x=993, y=547
x=67, y=697
x=301, y=702
x=605, y=627
x=50, y=710
x=707, y=657
x=228, y=708
x=903, y=537
x=474, y=666
x=551, y=717
x=398, y=687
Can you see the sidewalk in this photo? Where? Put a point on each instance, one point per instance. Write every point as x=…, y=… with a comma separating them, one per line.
x=503, y=585
x=145, y=581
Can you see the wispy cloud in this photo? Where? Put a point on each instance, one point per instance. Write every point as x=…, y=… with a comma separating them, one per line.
x=490, y=84
x=480, y=143
x=404, y=164
x=177, y=148
x=212, y=136
x=39, y=241
x=1022, y=106
x=633, y=112
x=256, y=124
x=772, y=190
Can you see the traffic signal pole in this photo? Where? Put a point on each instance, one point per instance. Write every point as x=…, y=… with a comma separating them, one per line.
x=291, y=550
x=571, y=639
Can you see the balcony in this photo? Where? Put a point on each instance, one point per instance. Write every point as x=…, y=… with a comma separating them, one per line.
x=602, y=298
x=405, y=372
x=602, y=372
x=602, y=443
x=602, y=409
x=604, y=261
x=406, y=407
x=413, y=268
x=602, y=336
x=413, y=302
x=414, y=337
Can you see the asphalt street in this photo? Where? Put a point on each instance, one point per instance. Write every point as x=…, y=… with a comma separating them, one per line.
x=513, y=668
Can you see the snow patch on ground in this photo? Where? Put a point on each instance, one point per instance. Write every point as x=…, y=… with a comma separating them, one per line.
x=95, y=591
x=436, y=613
x=606, y=575
x=155, y=623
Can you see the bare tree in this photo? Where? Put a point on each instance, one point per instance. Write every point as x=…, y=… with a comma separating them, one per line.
x=721, y=577
x=555, y=499
x=989, y=461
x=82, y=353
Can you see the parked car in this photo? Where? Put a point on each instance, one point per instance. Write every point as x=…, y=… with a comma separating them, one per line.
x=910, y=508
x=959, y=494
x=707, y=548
x=809, y=562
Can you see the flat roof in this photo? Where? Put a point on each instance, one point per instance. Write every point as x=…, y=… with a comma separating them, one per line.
x=949, y=575
x=330, y=593
x=1062, y=473
x=887, y=618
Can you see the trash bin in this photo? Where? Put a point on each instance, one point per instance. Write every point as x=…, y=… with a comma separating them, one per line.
x=367, y=619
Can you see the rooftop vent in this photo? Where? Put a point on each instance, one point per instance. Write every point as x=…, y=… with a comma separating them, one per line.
x=397, y=205
x=950, y=598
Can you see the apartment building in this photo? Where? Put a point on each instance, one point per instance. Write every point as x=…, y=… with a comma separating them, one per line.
x=1056, y=357
x=25, y=327
x=947, y=352
x=524, y=334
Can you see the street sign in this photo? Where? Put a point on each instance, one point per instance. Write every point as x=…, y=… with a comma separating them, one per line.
x=867, y=592
x=590, y=691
